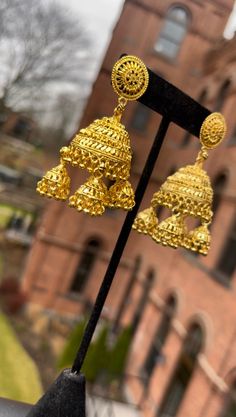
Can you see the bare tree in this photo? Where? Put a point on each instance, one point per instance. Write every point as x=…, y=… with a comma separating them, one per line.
x=40, y=44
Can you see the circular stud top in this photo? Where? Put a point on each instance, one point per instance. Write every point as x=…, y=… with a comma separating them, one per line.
x=213, y=130
x=129, y=77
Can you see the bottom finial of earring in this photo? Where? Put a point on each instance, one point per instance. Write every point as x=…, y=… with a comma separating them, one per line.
x=170, y=232
x=55, y=183
x=146, y=221
x=198, y=240
x=91, y=197
x=121, y=195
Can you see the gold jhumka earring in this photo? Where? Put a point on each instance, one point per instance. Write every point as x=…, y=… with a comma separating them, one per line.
x=103, y=148
x=187, y=192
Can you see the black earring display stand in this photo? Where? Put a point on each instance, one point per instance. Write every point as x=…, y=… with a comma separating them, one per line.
x=66, y=396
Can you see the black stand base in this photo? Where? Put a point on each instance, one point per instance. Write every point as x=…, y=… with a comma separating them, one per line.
x=65, y=398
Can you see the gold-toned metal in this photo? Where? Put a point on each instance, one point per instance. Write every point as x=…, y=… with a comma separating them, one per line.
x=55, y=183
x=187, y=193
x=91, y=197
x=121, y=195
x=213, y=130
x=146, y=221
x=130, y=77
x=198, y=240
x=170, y=231
x=103, y=148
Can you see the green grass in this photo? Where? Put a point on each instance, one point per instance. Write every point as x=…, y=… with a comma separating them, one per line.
x=6, y=212
x=19, y=377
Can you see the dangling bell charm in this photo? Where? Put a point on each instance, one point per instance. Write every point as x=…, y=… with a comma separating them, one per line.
x=55, y=183
x=198, y=240
x=91, y=197
x=146, y=221
x=171, y=231
x=121, y=195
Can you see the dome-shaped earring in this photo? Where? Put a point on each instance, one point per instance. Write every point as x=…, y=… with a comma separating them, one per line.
x=55, y=183
x=103, y=148
x=187, y=193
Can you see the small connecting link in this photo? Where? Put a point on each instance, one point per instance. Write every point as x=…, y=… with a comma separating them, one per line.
x=122, y=102
x=202, y=156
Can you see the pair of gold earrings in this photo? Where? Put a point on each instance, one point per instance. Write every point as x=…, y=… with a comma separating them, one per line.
x=103, y=148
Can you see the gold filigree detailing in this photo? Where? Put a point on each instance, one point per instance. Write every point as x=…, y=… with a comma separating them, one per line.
x=103, y=149
x=146, y=221
x=55, y=183
x=91, y=197
x=213, y=130
x=198, y=240
x=187, y=193
x=130, y=77
x=121, y=195
x=171, y=231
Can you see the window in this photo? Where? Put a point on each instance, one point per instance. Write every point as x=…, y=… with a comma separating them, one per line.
x=173, y=32
x=21, y=129
x=227, y=261
x=182, y=375
x=222, y=95
x=232, y=139
x=128, y=290
x=86, y=264
x=201, y=99
x=16, y=222
x=140, y=118
x=155, y=355
x=218, y=187
x=230, y=407
x=143, y=300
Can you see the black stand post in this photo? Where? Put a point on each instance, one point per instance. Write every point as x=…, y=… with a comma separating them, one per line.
x=66, y=396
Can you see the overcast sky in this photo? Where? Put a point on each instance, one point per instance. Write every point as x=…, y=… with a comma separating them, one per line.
x=231, y=26
x=99, y=17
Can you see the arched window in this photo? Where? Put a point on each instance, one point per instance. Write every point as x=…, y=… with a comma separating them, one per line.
x=182, y=375
x=232, y=138
x=218, y=187
x=128, y=290
x=140, y=118
x=16, y=222
x=230, y=406
x=227, y=261
x=87, y=261
x=201, y=100
x=173, y=32
x=222, y=95
x=147, y=285
x=154, y=355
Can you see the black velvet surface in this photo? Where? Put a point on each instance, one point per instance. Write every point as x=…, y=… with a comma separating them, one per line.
x=65, y=398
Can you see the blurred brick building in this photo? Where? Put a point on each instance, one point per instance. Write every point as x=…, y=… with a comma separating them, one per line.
x=20, y=169
x=181, y=306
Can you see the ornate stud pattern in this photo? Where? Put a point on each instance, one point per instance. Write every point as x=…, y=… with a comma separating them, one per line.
x=213, y=130
x=130, y=77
